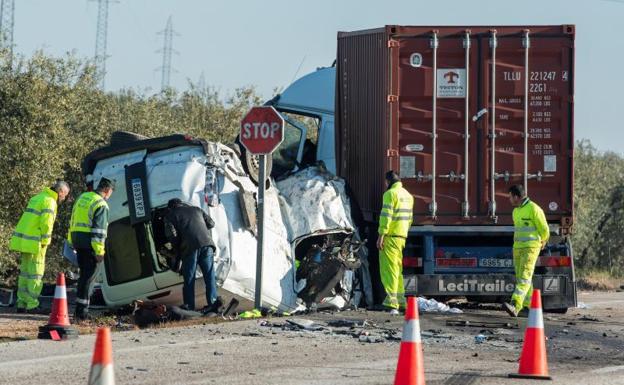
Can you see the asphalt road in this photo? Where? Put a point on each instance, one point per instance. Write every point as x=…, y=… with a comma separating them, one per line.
x=585, y=346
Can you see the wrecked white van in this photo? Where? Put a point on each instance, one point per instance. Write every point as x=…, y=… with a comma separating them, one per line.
x=312, y=254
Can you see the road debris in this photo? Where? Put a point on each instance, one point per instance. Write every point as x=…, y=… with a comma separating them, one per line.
x=480, y=338
x=481, y=324
x=433, y=306
x=306, y=324
x=349, y=323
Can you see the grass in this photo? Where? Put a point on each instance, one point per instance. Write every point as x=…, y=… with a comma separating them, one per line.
x=599, y=280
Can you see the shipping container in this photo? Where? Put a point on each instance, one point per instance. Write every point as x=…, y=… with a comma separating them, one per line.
x=462, y=113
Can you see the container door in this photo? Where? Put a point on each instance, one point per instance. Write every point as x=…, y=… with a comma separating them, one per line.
x=437, y=144
x=540, y=67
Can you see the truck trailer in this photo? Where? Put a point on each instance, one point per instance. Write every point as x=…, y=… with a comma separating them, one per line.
x=462, y=113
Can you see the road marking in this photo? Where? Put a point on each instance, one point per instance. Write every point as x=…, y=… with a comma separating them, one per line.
x=608, y=369
x=12, y=364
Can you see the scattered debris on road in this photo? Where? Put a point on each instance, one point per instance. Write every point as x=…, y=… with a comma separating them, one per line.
x=481, y=324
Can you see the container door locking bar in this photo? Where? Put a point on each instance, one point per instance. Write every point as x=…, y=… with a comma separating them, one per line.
x=526, y=43
x=433, y=207
x=466, y=204
x=493, y=44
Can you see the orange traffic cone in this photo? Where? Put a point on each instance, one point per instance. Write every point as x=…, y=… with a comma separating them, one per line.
x=102, y=364
x=410, y=369
x=58, y=326
x=533, y=363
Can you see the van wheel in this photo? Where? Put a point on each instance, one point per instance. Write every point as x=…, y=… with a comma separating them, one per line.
x=119, y=138
x=251, y=163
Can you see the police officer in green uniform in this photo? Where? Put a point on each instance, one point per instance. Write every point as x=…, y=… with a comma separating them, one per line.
x=531, y=235
x=87, y=235
x=31, y=238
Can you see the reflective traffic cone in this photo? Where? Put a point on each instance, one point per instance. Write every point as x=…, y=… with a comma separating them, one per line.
x=533, y=362
x=410, y=369
x=102, y=364
x=58, y=326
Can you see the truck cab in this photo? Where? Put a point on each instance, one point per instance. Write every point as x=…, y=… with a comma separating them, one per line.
x=307, y=106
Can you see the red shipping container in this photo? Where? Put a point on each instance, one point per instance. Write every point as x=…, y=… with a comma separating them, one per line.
x=462, y=113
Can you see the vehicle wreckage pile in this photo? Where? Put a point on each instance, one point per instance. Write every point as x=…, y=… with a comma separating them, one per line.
x=314, y=257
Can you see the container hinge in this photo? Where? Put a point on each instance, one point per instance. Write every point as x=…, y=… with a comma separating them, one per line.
x=393, y=98
x=393, y=43
x=392, y=152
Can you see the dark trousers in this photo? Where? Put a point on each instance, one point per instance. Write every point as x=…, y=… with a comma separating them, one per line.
x=204, y=257
x=87, y=264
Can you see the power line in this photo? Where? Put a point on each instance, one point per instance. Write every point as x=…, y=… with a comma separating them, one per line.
x=7, y=22
x=167, y=52
x=100, y=41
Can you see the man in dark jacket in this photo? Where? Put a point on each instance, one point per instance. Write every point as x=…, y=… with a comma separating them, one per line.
x=188, y=229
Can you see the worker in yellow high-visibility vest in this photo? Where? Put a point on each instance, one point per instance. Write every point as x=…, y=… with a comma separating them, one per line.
x=394, y=223
x=531, y=235
x=87, y=235
x=31, y=238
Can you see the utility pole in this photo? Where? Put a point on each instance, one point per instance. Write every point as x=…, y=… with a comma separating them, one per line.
x=201, y=84
x=7, y=21
x=167, y=51
x=100, y=41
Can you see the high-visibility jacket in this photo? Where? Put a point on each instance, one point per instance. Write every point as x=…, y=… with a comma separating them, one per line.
x=89, y=223
x=396, y=213
x=34, y=229
x=530, y=226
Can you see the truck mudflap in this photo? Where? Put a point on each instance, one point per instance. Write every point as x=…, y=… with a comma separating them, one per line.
x=558, y=291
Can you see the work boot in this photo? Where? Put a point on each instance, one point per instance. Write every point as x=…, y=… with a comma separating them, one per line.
x=83, y=316
x=510, y=309
x=394, y=312
x=214, y=308
x=82, y=313
x=35, y=310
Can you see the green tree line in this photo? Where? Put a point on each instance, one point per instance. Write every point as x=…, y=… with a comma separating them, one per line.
x=52, y=114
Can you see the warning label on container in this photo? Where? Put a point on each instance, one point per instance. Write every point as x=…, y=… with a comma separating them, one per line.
x=451, y=83
x=408, y=167
x=550, y=163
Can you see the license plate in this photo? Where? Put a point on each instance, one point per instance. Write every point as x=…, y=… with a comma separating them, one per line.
x=495, y=262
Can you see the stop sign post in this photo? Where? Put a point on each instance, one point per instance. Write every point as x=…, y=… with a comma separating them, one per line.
x=262, y=131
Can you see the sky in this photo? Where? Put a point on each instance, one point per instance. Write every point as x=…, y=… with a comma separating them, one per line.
x=268, y=44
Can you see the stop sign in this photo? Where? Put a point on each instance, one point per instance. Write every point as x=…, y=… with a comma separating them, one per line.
x=262, y=130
